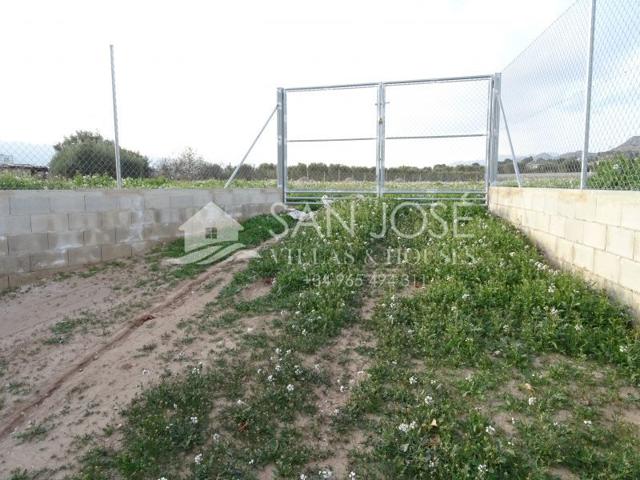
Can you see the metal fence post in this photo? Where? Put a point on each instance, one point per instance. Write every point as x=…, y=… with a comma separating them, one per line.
x=494, y=132
x=380, y=137
x=587, y=101
x=253, y=144
x=116, y=143
x=282, y=143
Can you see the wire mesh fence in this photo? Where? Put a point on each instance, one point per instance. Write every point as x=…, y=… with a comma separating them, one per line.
x=58, y=133
x=435, y=134
x=555, y=113
x=415, y=139
x=331, y=140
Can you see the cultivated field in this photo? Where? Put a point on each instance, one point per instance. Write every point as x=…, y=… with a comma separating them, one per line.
x=456, y=353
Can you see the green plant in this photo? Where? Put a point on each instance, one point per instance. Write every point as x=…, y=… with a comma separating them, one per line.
x=620, y=172
x=85, y=153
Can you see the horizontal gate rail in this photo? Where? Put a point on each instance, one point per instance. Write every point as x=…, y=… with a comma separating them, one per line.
x=423, y=137
x=389, y=84
x=310, y=140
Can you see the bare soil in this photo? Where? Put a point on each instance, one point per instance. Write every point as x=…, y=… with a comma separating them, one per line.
x=75, y=351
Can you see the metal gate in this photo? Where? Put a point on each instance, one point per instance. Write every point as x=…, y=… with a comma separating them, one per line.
x=419, y=140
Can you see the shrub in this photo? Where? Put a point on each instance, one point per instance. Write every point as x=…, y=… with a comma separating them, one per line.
x=86, y=153
x=189, y=166
x=620, y=172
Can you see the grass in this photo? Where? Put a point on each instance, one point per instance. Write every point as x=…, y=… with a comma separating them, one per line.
x=20, y=182
x=64, y=330
x=484, y=362
x=254, y=231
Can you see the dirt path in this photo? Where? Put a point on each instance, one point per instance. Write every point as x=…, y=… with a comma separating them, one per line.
x=61, y=392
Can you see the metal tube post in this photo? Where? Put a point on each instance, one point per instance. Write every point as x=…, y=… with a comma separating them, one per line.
x=491, y=170
x=280, y=95
x=116, y=144
x=516, y=168
x=380, y=138
x=587, y=101
x=282, y=142
x=255, y=140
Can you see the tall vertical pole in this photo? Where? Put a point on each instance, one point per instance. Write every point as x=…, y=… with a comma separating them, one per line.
x=587, y=100
x=491, y=168
x=282, y=143
x=380, y=137
x=116, y=144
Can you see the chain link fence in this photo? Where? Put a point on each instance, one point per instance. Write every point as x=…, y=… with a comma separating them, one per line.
x=577, y=84
x=414, y=139
x=576, y=88
x=61, y=133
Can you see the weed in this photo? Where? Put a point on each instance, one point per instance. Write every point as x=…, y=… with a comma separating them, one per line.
x=484, y=367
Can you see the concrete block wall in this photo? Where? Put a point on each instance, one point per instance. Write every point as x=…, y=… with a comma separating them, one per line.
x=594, y=232
x=45, y=231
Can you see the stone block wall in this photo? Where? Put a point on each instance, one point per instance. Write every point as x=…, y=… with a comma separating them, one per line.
x=594, y=232
x=45, y=231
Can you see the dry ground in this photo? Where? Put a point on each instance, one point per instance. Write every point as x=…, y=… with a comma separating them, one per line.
x=75, y=350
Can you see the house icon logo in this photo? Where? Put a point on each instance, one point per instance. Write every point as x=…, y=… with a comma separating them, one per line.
x=209, y=235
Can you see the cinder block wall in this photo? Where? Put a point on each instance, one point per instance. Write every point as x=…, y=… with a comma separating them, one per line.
x=595, y=232
x=45, y=231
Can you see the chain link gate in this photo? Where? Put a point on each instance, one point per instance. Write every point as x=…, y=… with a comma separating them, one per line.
x=421, y=140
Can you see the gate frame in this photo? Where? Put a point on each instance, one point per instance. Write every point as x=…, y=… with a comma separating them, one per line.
x=492, y=141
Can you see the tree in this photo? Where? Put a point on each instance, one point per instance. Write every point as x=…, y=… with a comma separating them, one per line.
x=88, y=153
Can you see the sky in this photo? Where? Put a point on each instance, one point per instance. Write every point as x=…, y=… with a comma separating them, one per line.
x=204, y=74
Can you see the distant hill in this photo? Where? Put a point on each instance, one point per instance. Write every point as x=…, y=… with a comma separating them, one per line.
x=545, y=156
x=631, y=145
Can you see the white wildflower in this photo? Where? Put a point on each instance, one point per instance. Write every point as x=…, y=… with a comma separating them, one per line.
x=587, y=422
x=624, y=349
x=482, y=469
x=270, y=378
x=216, y=437
x=532, y=401
x=465, y=296
x=428, y=400
x=198, y=459
x=413, y=380
x=194, y=420
x=325, y=473
x=490, y=430
x=290, y=388
x=403, y=427
x=352, y=475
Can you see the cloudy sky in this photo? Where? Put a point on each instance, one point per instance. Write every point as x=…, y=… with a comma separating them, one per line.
x=204, y=74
